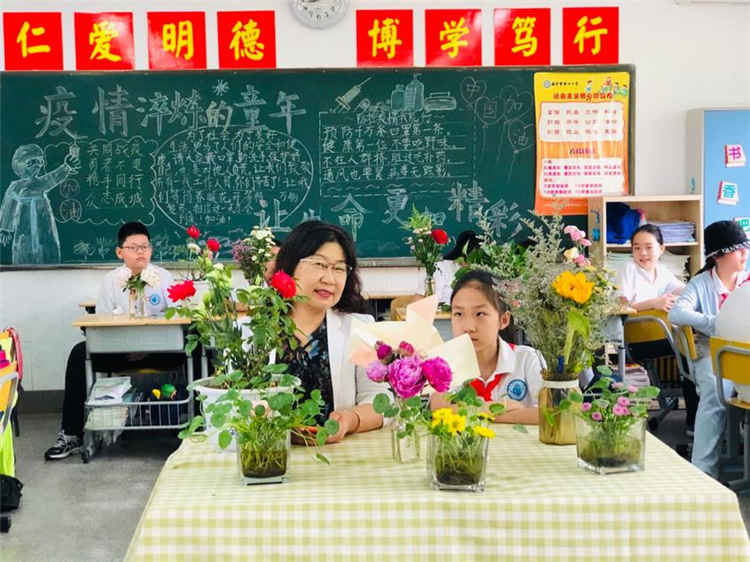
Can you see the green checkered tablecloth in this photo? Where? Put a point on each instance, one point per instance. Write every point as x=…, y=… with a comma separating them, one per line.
x=538, y=505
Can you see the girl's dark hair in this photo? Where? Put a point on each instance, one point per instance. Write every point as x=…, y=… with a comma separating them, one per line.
x=654, y=230
x=130, y=229
x=466, y=243
x=710, y=264
x=486, y=283
x=305, y=240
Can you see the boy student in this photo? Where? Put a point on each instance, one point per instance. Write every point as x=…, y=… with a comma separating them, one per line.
x=134, y=249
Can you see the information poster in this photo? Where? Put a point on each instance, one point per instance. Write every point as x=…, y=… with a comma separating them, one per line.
x=581, y=139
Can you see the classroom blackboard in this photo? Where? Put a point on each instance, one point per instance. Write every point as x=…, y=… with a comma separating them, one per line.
x=81, y=153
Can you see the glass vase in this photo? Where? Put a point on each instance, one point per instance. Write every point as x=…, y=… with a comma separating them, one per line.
x=556, y=427
x=610, y=447
x=265, y=461
x=137, y=303
x=405, y=445
x=458, y=463
x=429, y=286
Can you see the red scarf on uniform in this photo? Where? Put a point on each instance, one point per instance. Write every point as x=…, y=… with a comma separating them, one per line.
x=485, y=390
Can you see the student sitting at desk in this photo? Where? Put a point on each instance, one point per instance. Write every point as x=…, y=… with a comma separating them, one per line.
x=446, y=270
x=644, y=283
x=726, y=249
x=322, y=260
x=134, y=249
x=506, y=369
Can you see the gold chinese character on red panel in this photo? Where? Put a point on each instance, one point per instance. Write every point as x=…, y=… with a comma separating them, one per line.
x=104, y=41
x=33, y=41
x=176, y=40
x=453, y=37
x=385, y=38
x=522, y=36
x=591, y=35
x=247, y=39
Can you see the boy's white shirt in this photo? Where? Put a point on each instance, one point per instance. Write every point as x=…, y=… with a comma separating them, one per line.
x=637, y=285
x=111, y=295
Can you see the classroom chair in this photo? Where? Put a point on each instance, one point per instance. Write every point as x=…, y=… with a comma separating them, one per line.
x=731, y=361
x=649, y=341
x=399, y=302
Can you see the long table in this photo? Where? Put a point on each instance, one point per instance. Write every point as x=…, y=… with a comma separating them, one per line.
x=537, y=506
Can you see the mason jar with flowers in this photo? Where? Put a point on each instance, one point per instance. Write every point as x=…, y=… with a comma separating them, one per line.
x=426, y=245
x=562, y=303
x=407, y=373
x=611, y=425
x=135, y=285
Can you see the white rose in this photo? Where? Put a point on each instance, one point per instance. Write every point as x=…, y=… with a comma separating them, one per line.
x=122, y=277
x=194, y=248
x=150, y=276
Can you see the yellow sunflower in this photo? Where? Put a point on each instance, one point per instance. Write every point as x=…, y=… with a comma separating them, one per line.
x=575, y=287
x=484, y=432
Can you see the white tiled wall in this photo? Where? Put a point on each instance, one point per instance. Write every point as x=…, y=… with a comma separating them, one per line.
x=43, y=304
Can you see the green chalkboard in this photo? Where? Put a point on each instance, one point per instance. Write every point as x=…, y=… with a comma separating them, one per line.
x=81, y=153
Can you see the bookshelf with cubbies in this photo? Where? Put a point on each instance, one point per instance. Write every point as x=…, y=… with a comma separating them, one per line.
x=657, y=208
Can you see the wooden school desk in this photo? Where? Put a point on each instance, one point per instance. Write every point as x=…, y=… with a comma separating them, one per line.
x=109, y=333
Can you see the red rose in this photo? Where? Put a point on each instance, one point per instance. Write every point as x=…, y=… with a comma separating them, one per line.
x=193, y=232
x=440, y=236
x=213, y=245
x=284, y=284
x=181, y=291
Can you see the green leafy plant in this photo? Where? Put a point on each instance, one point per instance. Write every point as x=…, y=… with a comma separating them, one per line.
x=426, y=243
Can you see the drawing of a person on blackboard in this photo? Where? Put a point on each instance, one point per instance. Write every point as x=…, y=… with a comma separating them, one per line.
x=26, y=213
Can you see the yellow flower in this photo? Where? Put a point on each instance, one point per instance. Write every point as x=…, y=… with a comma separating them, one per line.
x=436, y=422
x=456, y=424
x=575, y=287
x=484, y=416
x=442, y=414
x=484, y=432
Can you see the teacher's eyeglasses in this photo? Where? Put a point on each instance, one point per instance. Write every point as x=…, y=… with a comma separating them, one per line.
x=340, y=270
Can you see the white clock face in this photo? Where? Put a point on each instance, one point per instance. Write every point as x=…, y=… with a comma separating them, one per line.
x=319, y=13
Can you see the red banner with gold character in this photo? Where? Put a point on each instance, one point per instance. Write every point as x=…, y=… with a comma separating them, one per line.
x=176, y=40
x=453, y=37
x=104, y=41
x=522, y=36
x=247, y=39
x=385, y=38
x=591, y=35
x=33, y=41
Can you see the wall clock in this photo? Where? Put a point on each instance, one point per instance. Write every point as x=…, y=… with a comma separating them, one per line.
x=319, y=13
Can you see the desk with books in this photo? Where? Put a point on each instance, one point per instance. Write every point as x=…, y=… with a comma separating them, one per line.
x=537, y=506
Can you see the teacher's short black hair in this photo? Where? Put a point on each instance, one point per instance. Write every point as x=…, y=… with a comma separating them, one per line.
x=305, y=240
x=129, y=229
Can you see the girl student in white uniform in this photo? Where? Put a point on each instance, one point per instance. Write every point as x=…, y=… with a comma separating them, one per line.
x=644, y=283
x=510, y=373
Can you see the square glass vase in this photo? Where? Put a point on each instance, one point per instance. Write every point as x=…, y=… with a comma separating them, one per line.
x=266, y=462
x=459, y=463
x=608, y=448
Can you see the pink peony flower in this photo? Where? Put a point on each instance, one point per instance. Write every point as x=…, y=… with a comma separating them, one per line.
x=438, y=374
x=383, y=350
x=623, y=401
x=586, y=406
x=405, y=349
x=596, y=416
x=406, y=378
x=619, y=410
x=585, y=242
x=376, y=371
x=632, y=389
x=574, y=233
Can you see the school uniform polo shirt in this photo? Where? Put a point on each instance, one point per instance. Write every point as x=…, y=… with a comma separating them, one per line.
x=637, y=285
x=518, y=375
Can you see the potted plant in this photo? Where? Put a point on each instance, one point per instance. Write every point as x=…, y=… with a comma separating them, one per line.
x=562, y=302
x=459, y=442
x=611, y=425
x=246, y=378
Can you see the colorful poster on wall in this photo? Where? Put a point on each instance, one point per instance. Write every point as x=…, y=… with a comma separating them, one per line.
x=591, y=35
x=582, y=137
x=247, y=39
x=104, y=41
x=453, y=37
x=176, y=40
x=522, y=36
x=385, y=38
x=33, y=41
